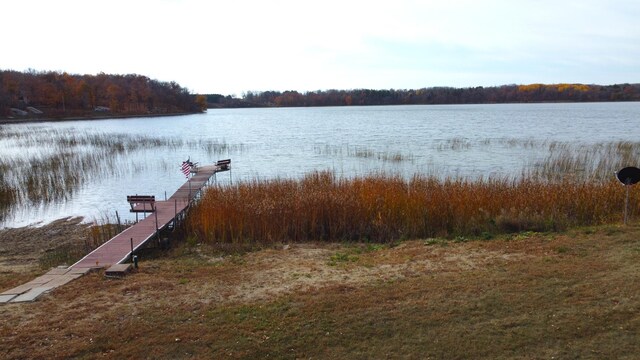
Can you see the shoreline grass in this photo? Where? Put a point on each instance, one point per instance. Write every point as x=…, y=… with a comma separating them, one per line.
x=384, y=208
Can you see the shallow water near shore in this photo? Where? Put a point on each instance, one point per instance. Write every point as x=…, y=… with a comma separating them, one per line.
x=97, y=163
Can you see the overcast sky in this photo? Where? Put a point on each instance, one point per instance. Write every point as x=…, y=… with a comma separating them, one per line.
x=231, y=46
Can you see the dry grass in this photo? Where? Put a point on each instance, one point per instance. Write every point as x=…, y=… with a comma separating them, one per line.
x=381, y=208
x=526, y=295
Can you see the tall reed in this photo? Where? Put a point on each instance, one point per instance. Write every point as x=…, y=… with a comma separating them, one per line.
x=361, y=152
x=382, y=208
x=585, y=162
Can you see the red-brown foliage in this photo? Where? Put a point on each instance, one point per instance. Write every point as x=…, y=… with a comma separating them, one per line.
x=63, y=94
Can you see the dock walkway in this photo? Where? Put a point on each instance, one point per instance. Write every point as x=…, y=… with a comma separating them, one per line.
x=119, y=249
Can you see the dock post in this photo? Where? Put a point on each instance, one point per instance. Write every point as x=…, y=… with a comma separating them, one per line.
x=157, y=232
x=131, y=249
x=119, y=224
x=626, y=203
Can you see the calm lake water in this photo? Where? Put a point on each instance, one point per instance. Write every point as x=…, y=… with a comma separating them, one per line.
x=448, y=140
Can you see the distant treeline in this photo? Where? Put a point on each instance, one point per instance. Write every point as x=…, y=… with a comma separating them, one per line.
x=434, y=95
x=53, y=94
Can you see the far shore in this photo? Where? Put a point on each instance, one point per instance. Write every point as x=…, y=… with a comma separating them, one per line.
x=26, y=120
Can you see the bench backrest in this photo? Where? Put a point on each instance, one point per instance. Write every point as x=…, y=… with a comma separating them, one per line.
x=223, y=164
x=141, y=198
x=142, y=203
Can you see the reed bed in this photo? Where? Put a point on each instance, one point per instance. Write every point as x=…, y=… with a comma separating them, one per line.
x=53, y=177
x=57, y=139
x=459, y=143
x=41, y=165
x=581, y=162
x=383, y=208
x=361, y=152
x=455, y=144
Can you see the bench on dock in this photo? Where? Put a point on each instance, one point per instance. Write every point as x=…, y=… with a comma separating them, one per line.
x=223, y=165
x=142, y=203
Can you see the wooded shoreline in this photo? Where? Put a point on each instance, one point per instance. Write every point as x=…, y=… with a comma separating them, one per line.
x=504, y=94
x=88, y=117
x=54, y=95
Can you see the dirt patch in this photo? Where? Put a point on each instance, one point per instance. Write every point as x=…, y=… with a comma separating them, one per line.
x=20, y=247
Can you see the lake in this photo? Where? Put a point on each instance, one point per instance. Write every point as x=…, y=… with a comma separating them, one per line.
x=447, y=140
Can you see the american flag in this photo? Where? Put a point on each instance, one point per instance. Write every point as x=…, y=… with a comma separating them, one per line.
x=186, y=168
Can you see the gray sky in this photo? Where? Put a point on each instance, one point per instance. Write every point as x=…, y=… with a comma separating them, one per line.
x=229, y=47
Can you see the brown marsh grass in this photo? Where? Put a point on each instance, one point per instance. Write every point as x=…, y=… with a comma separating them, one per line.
x=382, y=208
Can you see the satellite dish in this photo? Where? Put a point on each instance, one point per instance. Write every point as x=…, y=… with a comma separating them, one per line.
x=629, y=175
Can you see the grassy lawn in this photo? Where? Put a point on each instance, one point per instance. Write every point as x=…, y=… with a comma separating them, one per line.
x=574, y=294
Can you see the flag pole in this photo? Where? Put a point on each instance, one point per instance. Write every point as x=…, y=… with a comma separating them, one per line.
x=186, y=170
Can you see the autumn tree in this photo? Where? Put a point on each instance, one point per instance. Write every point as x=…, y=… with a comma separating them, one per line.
x=201, y=101
x=64, y=94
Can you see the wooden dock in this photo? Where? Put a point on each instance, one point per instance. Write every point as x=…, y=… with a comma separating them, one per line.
x=120, y=248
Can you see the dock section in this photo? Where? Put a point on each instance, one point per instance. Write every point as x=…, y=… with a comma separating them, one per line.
x=120, y=248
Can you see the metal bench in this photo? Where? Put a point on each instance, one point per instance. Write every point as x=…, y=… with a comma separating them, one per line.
x=142, y=203
x=223, y=165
